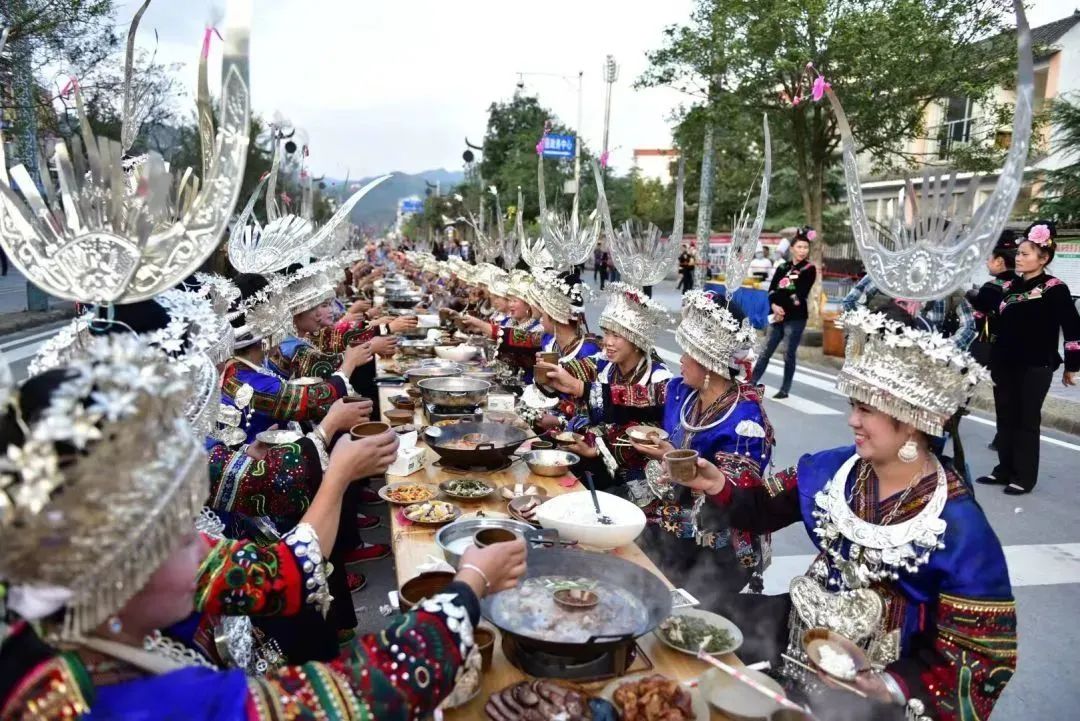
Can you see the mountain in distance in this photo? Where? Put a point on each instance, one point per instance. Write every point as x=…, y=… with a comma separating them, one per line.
x=379, y=207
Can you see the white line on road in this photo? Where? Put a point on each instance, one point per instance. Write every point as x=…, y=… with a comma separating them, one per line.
x=22, y=352
x=803, y=405
x=1045, y=564
x=48, y=333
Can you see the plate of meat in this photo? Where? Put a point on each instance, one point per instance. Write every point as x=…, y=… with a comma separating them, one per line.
x=652, y=697
x=542, y=698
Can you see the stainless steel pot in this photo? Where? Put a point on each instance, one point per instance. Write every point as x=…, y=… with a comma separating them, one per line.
x=550, y=463
x=433, y=369
x=454, y=392
x=465, y=528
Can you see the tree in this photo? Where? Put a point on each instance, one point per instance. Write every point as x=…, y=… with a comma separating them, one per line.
x=509, y=157
x=1062, y=188
x=887, y=60
x=696, y=59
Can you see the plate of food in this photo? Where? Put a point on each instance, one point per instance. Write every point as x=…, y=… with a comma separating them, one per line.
x=688, y=628
x=523, y=508
x=647, y=435
x=277, y=436
x=305, y=381
x=734, y=698
x=514, y=490
x=652, y=697
x=432, y=512
x=470, y=489
x=833, y=654
x=406, y=492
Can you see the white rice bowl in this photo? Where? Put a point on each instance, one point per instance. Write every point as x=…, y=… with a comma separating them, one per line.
x=574, y=517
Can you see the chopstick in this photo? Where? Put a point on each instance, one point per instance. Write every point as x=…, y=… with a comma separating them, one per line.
x=740, y=676
x=811, y=669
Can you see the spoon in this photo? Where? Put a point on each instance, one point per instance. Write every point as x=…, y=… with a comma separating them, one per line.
x=604, y=520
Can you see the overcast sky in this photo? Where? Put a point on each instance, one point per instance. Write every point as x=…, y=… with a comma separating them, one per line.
x=398, y=84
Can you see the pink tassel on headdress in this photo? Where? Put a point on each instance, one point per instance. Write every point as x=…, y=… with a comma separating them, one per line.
x=540, y=147
x=820, y=86
x=210, y=30
x=70, y=86
x=604, y=159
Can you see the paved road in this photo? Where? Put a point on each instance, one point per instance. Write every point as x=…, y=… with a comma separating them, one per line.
x=1041, y=531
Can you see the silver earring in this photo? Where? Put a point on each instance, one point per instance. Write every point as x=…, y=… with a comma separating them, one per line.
x=909, y=452
x=115, y=625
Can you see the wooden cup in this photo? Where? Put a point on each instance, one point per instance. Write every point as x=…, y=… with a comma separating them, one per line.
x=682, y=464
x=370, y=428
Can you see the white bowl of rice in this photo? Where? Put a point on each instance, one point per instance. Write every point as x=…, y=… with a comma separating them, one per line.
x=574, y=517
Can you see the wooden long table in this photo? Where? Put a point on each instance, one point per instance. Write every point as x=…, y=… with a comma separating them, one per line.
x=413, y=544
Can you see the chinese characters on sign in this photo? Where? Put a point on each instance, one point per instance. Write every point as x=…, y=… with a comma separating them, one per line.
x=559, y=146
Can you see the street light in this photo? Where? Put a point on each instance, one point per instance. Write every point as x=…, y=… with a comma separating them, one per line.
x=577, y=145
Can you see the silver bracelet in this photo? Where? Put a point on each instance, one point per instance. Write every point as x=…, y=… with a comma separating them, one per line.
x=318, y=440
x=893, y=687
x=471, y=567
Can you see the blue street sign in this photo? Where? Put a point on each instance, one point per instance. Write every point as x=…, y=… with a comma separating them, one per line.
x=412, y=206
x=559, y=146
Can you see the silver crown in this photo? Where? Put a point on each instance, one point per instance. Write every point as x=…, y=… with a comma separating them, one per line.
x=92, y=241
x=520, y=285
x=711, y=335
x=196, y=338
x=915, y=376
x=98, y=522
x=310, y=286
x=266, y=313
x=930, y=251
x=631, y=314
x=562, y=300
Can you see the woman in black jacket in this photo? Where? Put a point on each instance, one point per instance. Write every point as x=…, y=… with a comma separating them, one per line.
x=1035, y=310
x=788, y=293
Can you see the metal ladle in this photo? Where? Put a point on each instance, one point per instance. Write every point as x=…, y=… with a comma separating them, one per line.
x=603, y=519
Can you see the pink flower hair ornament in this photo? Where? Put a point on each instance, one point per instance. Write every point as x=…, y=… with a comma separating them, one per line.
x=1040, y=236
x=811, y=236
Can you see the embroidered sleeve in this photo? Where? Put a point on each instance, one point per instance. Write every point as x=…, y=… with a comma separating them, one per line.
x=1070, y=327
x=521, y=339
x=241, y=578
x=336, y=338
x=57, y=688
x=763, y=508
x=310, y=362
x=399, y=674
x=284, y=401
x=962, y=671
x=584, y=369
x=281, y=485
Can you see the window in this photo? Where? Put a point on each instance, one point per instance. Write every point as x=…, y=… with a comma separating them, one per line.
x=956, y=125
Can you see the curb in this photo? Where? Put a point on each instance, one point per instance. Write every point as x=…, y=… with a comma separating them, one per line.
x=27, y=320
x=1059, y=414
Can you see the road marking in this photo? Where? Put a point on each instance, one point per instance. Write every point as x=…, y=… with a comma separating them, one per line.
x=776, y=367
x=803, y=405
x=22, y=352
x=1042, y=564
x=28, y=338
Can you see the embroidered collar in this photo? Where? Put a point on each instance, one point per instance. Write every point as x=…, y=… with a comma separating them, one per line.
x=1034, y=293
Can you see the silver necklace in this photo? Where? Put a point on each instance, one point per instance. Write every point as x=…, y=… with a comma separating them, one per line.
x=877, y=552
x=692, y=398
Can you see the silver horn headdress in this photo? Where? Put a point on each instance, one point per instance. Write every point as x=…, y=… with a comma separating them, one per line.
x=512, y=243
x=90, y=241
x=744, y=235
x=642, y=255
x=568, y=241
x=928, y=252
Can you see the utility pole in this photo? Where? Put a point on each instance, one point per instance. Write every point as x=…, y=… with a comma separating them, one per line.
x=577, y=145
x=611, y=74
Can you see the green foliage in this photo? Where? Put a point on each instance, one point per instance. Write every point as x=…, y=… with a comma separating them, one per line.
x=886, y=60
x=509, y=157
x=1062, y=189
